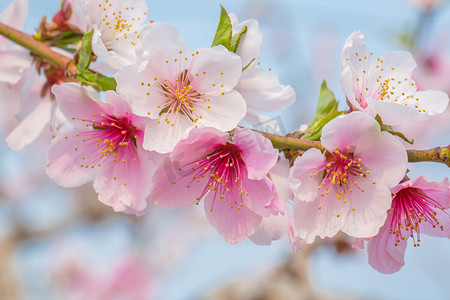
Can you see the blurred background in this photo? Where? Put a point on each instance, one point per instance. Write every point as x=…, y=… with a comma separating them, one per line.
x=58, y=243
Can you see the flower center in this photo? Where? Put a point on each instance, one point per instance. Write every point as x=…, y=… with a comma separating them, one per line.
x=108, y=136
x=340, y=175
x=224, y=171
x=410, y=207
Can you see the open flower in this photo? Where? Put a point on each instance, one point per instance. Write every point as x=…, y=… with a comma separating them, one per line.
x=418, y=206
x=262, y=91
x=347, y=187
x=104, y=145
x=384, y=86
x=181, y=90
x=117, y=27
x=229, y=174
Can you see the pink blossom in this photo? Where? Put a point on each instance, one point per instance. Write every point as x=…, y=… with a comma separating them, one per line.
x=384, y=86
x=228, y=173
x=418, y=206
x=104, y=145
x=346, y=188
x=181, y=90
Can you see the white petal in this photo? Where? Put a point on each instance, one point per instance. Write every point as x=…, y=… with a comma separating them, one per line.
x=14, y=15
x=250, y=46
x=225, y=111
x=263, y=91
x=30, y=128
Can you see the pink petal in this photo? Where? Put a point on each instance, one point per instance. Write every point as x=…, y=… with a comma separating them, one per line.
x=166, y=193
x=200, y=142
x=233, y=224
x=370, y=209
x=262, y=198
x=295, y=241
x=77, y=102
x=271, y=228
x=310, y=221
x=301, y=180
x=256, y=151
x=384, y=256
x=132, y=198
x=384, y=156
x=347, y=130
x=64, y=163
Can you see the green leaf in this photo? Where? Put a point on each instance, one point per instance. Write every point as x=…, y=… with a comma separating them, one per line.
x=68, y=38
x=314, y=132
x=236, y=39
x=389, y=129
x=84, y=59
x=97, y=81
x=327, y=103
x=223, y=33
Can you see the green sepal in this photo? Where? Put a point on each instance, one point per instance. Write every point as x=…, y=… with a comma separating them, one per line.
x=327, y=103
x=327, y=110
x=223, y=33
x=236, y=39
x=97, y=81
x=389, y=129
x=84, y=59
x=314, y=132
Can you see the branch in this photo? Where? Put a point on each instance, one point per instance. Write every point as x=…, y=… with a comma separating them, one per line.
x=282, y=143
x=438, y=154
x=38, y=48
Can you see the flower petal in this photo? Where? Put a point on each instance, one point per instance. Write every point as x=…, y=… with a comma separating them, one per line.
x=162, y=36
x=301, y=179
x=76, y=102
x=233, y=224
x=63, y=163
x=263, y=91
x=223, y=112
x=162, y=137
x=30, y=127
x=14, y=15
x=256, y=151
x=384, y=156
x=310, y=221
x=384, y=255
x=369, y=207
x=166, y=193
x=222, y=69
x=126, y=186
x=14, y=62
x=250, y=46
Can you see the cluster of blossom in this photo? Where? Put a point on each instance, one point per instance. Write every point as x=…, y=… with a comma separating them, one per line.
x=169, y=133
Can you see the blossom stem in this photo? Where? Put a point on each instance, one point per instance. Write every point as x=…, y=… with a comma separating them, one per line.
x=40, y=49
x=282, y=143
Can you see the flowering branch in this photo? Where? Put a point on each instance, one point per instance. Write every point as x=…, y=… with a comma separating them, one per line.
x=36, y=47
x=438, y=154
